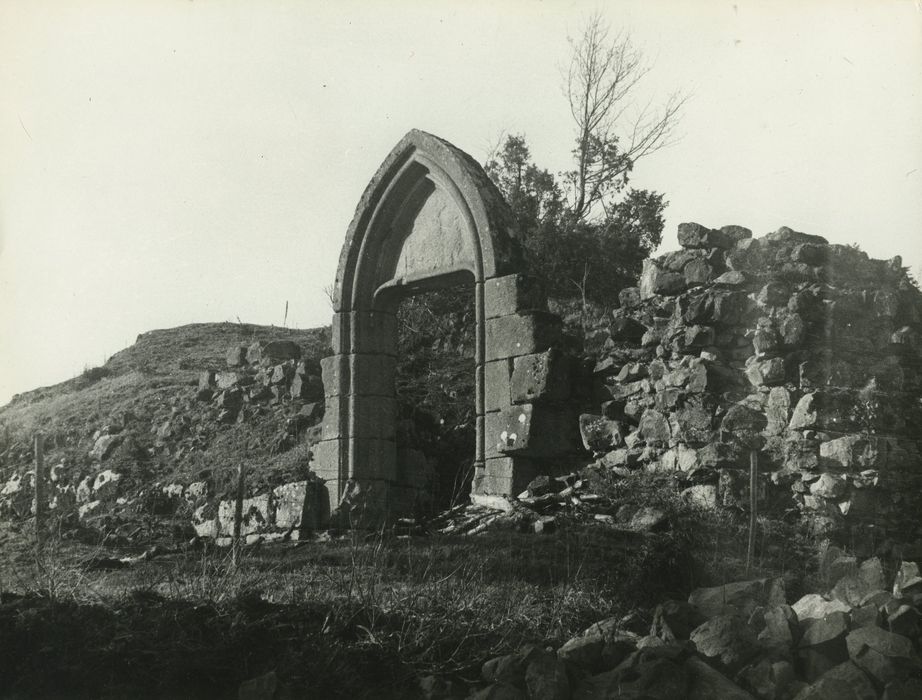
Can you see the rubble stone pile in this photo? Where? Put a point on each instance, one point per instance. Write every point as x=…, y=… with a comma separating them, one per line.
x=806, y=353
x=742, y=640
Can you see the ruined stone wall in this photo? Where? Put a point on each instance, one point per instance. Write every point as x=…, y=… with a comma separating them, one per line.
x=808, y=353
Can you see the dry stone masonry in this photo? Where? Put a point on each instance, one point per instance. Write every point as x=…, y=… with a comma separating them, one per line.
x=807, y=352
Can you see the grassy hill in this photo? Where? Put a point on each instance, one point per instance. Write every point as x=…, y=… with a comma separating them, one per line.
x=147, y=396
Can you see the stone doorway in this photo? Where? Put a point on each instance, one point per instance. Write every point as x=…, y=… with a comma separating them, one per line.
x=430, y=218
x=436, y=426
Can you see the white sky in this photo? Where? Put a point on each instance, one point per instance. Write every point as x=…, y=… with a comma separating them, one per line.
x=169, y=162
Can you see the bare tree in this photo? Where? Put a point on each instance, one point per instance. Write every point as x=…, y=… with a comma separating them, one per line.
x=612, y=131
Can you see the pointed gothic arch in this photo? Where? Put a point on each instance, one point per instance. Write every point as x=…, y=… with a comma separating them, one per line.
x=429, y=218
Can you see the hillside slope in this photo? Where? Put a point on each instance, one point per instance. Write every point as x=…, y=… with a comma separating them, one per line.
x=144, y=415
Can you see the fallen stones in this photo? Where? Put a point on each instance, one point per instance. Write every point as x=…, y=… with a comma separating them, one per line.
x=822, y=645
x=726, y=642
x=697, y=236
x=599, y=434
x=706, y=683
x=908, y=582
x=739, y=598
x=105, y=485
x=104, y=446
x=884, y=656
x=648, y=673
x=272, y=352
x=842, y=682
x=236, y=356
x=674, y=620
x=767, y=679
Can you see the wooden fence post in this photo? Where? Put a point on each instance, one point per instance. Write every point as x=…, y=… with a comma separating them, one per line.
x=753, y=503
x=39, y=500
x=238, y=508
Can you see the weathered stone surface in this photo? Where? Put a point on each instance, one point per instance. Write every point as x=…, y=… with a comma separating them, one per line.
x=364, y=332
x=654, y=281
x=777, y=410
x=693, y=235
x=908, y=581
x=697, y=272
x=767, y=679
x=106, y=485
x=599, y=434
x=546, y=677
x=774, y=293
x=813, y=606
x=742, y=418
x=740, y=597
x=236, y=356
x=769, y=372
x=730, y=278
x=842, y=682
x=511, y=294
x=822, y=645
x=296, y=505
x=372, y=417
x=828, y=486
x=780, y=630
x=804, y=415
x=644, y=675
x=908, y=689
x=626, y=330
x=674, y=620
x=520, y=334
x=273, y=352
x=847, y=451
x=852, y=590
x=257, y=515
x=706, y=683
x=725, y=641
x=539, y=378
x=104, y=446
x=306, y=387
x=787, y=235
x=904, y=620
x=648, y=519
x=654, y=428
x=735, y=233
x=530, y=429
x=505, y=475
x=226, y=380
x=702, y=495
x=629, y=297
x=884, y=656
x=585, y=651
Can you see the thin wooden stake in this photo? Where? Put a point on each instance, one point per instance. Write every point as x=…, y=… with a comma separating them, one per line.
x=753, y=503
x=238, y=508
x=38, y=504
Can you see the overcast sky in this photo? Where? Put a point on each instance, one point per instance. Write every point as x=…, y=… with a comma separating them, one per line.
x=175, y=161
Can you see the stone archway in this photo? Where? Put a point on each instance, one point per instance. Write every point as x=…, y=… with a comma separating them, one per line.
x=430, y=217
